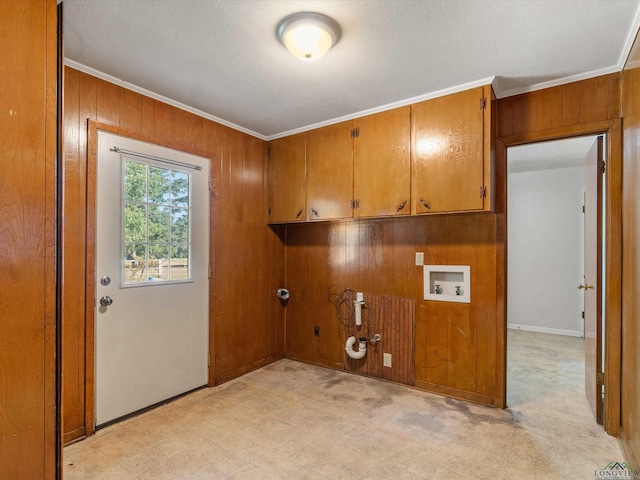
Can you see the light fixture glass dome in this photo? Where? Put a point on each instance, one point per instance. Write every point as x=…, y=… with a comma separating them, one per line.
x=308, y=35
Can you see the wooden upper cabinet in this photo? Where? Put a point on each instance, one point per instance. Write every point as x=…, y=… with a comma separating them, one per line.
x=451, y=152
x=330, y=172
x=287, y=179
x=382, y=164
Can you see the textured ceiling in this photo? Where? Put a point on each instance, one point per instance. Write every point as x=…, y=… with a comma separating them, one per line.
x=548, y=155
x=222, y=57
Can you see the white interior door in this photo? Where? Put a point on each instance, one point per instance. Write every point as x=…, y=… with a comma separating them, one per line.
x=152, y=243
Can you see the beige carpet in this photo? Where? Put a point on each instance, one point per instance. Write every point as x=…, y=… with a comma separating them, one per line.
x=295, y=421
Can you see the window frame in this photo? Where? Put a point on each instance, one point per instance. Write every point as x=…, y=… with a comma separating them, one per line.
x=124, y=158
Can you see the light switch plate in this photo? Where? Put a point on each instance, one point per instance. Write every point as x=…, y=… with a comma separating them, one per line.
x=419, y=258
x=359, y=296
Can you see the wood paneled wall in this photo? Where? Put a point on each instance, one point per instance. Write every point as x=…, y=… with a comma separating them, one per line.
x=460, y=348
x=28, y=436
x=630, y=383
x=564, y=106
x=394, y=318
x=454, y=343
x=248, y=261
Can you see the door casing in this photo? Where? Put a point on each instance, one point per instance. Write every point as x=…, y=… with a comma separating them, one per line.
x=612, y=129
x=90, y=263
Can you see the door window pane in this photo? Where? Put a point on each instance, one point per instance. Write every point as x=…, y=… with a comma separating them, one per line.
x=135, y=182
x=135, y=263
x=180, y=189
x=155, y=224
x=158, y=224
x=158, y=262
x=135, y=222
x=159, y=185
x=179, y=225
x=179, y=262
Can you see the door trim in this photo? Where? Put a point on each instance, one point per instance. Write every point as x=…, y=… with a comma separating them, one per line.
x=90, y=267
x=613, y=254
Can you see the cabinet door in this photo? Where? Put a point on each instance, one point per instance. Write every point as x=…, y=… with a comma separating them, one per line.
x=330, y=172
x=448, y=153
x=287, y=179
x=382, y=164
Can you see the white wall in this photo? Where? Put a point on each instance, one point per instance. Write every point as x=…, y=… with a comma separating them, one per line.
x=545, y=250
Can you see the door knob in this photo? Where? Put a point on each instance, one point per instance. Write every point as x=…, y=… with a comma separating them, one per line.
x=586, y=287
x=106, y=301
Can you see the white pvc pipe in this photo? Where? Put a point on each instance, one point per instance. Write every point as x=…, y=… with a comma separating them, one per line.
x=362, y=348
x=357, y=305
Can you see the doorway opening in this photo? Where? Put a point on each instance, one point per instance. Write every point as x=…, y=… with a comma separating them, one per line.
x=548, y=237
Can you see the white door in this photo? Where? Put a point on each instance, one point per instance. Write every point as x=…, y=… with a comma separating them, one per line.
x=152, y=287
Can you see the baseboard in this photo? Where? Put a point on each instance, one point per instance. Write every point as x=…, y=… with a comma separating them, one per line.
x=627, y=451
x=317, y=363
x=225, y=377
x=73, y=436
x=456, y=393
x=554, y=331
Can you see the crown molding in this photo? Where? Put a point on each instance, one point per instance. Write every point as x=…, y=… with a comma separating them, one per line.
x=556, y=82
x=388, y=106
x=143, y=91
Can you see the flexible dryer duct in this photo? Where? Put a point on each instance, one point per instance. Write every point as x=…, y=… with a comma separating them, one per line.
x=362, y=347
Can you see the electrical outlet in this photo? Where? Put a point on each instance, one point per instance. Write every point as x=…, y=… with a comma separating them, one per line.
x=419, y=258
x=386, y=360
x=316, y=331
x=359, y=297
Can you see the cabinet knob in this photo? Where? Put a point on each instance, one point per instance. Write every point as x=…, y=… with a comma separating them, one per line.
x=425, y=204
x=299, y=213
x=401, y=206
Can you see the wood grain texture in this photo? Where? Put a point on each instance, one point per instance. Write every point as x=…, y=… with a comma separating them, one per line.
x=287, y=179
x=330, y=172
x=576, y=103
x=74, y=247
x=28, y=143
x=377, y=257
x=614, y=270
x=630, y=382
x=246, y=255
x=315, y=261
x=500, y=184
x=394, y=318
x=382, y=167
x=243, y=330
x=447, y=169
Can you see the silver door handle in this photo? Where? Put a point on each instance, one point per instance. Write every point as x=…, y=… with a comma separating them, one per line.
x=586, y=287
x=106, y=301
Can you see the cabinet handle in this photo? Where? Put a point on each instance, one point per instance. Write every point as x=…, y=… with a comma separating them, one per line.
x=315, y=212
x=426, y=205
x=299, y=213
x=401, y=206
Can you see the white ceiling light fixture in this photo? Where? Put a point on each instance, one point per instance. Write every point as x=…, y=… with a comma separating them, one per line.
x=308, y=35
